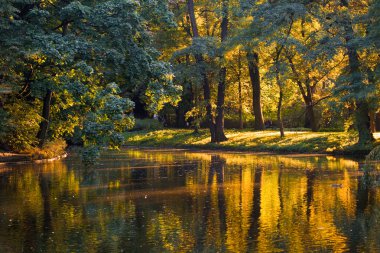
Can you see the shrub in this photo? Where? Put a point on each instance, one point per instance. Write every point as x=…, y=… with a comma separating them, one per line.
x=20, y=124
x=147, y=124
x=49, y=150
x=232, y=121
x=330, y=129
x=76, y=138
x=374, y=155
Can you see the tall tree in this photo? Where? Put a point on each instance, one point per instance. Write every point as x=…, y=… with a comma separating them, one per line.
x=355, y=85
x=205, y=80
x=254, y=74
x=239, y=76
x=219, y=124
x=66, y=58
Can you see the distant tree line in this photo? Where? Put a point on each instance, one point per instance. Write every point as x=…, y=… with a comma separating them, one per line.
x=312, y=64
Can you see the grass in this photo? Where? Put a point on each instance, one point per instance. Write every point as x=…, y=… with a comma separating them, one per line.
x=51, y=149
x=258, y=141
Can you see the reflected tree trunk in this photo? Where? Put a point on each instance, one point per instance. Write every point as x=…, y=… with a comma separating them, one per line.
x=31, y=237
x=254, y=229
x=219, y=166
x=280, y=198
x=216, y=168
x=47, y=216
x=310, y=175
x=356, y=226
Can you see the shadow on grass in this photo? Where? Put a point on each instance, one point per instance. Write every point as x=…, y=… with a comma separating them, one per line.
x=264, y=141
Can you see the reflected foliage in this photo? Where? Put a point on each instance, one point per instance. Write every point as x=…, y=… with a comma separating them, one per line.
x=177, y=201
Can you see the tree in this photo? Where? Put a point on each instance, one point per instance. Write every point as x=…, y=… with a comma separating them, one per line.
x=219, y=124
x=205, y=80
x=254, y=74
x=355, y=85
x=67, y=57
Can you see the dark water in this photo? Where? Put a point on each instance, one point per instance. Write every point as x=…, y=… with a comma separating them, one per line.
x=176, y=201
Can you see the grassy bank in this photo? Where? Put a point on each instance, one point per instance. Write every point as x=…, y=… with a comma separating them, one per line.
x=50, y=150
x=246, y=140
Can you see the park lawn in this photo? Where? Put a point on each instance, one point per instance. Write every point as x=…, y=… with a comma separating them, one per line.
x=248, y=140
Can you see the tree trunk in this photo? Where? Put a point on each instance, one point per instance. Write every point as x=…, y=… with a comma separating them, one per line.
x=279, y=113
x=254, y=74
x=219, y=123
x=310, y=121
x=372, y=116
x=362, y=108
x=279, y=105
x=44, y=125
x=207, y=97
x=205, y=82
x=362, y=119
x=184, y=105
x=363, y=122
x=240, y=93
x=307, y=96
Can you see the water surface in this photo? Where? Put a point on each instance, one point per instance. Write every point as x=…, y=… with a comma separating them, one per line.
x=182, y=201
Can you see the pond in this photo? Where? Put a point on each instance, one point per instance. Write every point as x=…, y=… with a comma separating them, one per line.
x=186, y=201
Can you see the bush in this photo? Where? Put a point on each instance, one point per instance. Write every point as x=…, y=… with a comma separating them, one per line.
x=232, y=121
x=147, y=124
x=298, y=129
x=374, y=155
x=49, y=150
x=76, y=138
x=331, y=129
x=19, y=127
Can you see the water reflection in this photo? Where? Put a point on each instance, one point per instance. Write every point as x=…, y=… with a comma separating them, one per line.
x=177, y=201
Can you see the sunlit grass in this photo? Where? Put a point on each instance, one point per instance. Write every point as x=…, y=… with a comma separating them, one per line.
x=294, y=141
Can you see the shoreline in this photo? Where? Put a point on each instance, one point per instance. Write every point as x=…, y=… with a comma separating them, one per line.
x=25, y=159
x=301, y=143
x=239, y=151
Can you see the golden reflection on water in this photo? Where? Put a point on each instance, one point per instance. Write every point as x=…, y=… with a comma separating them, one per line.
x=181, y=201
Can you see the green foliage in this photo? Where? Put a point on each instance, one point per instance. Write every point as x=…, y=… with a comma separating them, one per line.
x=104, y=126
x=96, y=57
x=19, y=128
x=232, y=120
x=90, y=154
x=51, y=149
x=196, y=115
x=374, y=155
x=93, y=56
x=147, y=124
